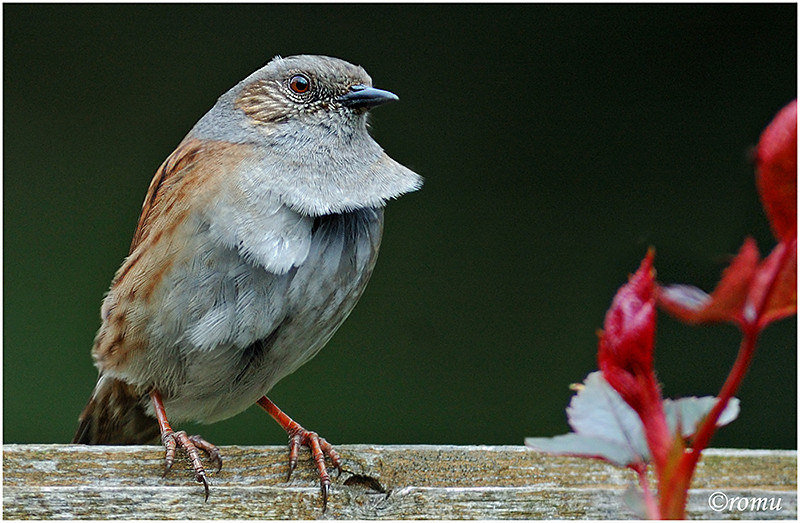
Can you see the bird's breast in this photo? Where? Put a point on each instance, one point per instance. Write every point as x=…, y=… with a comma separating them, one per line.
x=224, y=326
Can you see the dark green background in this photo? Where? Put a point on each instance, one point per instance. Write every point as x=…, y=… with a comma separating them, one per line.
x=557, y=143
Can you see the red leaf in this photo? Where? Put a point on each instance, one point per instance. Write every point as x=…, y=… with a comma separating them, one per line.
x=626, y=345
x=726, y=303
x=773, y=295
x=776, y=172
x=625, y=356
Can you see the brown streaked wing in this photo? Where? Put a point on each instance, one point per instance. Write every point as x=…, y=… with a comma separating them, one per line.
x=182, y=157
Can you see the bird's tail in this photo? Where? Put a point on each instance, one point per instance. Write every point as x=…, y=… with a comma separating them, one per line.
x=115, y=415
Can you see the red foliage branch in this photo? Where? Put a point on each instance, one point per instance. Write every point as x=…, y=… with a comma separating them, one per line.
x=752, y=293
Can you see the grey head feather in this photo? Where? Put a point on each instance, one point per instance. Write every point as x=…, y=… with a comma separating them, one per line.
x=314, y=154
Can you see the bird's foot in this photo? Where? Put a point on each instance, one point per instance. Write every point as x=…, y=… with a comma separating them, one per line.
x=192, y=445
x=300, y=437
x=319, y=447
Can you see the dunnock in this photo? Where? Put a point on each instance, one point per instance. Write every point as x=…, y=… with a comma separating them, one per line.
x=256, y=239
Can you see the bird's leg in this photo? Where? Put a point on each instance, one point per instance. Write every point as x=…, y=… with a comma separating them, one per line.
x=190, y=444
x=298, y=436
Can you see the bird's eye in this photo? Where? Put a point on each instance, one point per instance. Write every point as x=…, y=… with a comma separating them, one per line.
x=299, y=84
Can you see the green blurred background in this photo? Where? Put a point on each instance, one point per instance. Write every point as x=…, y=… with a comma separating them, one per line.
x=558, y=142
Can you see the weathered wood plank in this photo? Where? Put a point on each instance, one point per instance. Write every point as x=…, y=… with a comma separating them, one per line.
x=379, y=482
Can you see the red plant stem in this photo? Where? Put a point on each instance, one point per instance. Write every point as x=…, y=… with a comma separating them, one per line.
x=650, y=504
x=673, y=498
x=675, y=493
x=746, y=351
x=656, y=430
x=751, y=328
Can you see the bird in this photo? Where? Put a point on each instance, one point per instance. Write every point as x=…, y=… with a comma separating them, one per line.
x=257, y=237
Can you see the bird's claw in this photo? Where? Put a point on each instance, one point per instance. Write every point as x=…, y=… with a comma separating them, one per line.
x=192, y=445
x=299, y=437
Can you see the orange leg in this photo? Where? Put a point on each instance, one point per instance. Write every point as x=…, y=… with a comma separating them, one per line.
x=190, y=444
x=298, y=436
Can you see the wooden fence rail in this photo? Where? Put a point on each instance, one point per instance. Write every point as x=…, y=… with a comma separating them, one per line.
x=379, y=482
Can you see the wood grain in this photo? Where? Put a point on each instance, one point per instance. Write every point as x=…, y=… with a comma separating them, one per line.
x=379, y=482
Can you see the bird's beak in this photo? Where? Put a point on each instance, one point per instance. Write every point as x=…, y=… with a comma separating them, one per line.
x=361, y=96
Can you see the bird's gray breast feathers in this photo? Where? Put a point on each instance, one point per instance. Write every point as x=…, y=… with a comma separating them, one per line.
x=238, y=317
